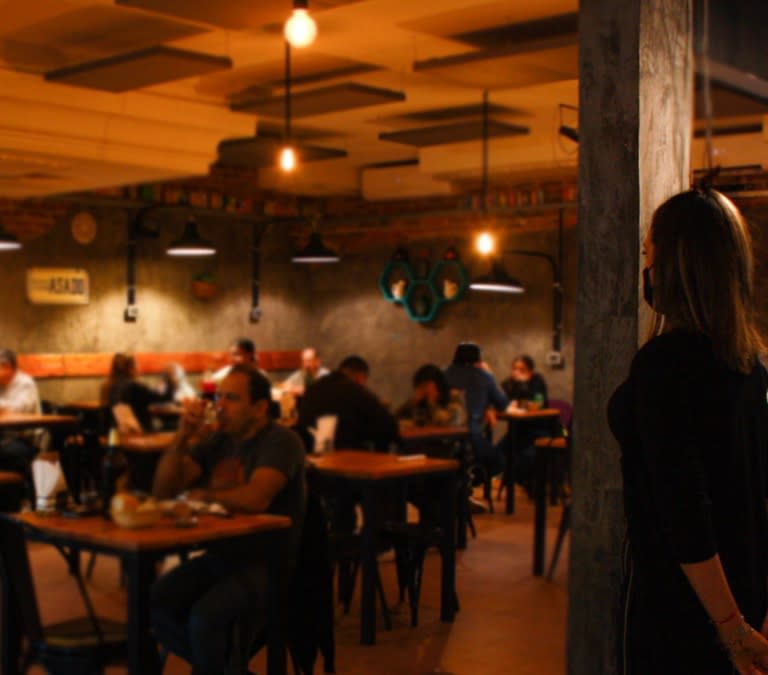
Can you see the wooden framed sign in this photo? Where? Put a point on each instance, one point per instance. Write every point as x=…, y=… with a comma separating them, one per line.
x=58, y=286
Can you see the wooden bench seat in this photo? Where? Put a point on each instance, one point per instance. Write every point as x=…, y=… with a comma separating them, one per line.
x=42, y=366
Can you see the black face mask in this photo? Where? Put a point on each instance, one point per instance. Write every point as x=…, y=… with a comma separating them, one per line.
x=647, y=287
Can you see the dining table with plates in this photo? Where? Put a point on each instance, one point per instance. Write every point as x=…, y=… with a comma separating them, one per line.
x=139, y=551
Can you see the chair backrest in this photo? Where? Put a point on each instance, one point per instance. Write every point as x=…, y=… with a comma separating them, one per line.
x=566, y=412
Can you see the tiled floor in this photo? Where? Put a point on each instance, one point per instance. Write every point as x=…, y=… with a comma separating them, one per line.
x=510, y=622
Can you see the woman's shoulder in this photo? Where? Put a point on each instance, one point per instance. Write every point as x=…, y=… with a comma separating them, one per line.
x=674, y=349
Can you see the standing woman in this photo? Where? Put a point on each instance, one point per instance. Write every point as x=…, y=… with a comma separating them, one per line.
x=692, y=422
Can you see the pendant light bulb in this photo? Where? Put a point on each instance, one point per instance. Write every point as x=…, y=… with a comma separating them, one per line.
x=300, y=29
x=485, y=243
x=287, y=159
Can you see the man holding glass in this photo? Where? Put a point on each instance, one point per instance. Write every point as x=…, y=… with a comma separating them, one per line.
x=249, y=464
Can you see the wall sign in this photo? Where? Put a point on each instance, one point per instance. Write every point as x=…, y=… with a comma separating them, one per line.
x=58, y=286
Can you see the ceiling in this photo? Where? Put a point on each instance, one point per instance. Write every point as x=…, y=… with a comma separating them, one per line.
x=388, y=100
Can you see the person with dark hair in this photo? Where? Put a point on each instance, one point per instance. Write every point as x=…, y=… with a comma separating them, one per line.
x=122, y=386
x=525, y=388
x=362, y=420
x=241, y=351
x=18, y=393
x=250, y=464
x=692, y=423
x=483, y=397
x=432, y=401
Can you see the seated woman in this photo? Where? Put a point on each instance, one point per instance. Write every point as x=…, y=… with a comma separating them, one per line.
x=527, y=390
x=122, y=387
x=432, y=401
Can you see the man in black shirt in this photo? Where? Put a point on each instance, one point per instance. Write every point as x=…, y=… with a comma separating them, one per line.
x=363, y=421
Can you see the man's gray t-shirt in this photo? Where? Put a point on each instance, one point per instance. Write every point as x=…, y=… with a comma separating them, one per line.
x=227, y=463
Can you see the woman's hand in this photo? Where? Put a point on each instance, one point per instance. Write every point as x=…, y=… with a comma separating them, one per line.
x=747, y=649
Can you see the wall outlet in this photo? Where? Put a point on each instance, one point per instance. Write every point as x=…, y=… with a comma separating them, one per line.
x=555, y=360
x=131, y=313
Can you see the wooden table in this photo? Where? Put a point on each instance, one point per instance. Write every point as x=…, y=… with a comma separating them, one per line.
x=546, y=418
x=418, y=438
x=12, y=421
x=153, y=443
x=143, y=452
x=369, y=471
x=139, y=551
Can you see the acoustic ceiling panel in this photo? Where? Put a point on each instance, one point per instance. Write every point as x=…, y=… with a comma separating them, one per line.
x=231, y=14
x=85, y=34
x=452, y=133
x=138, y=69
x=558, y=29
x=505, y=68
x=321, y=101
x=448, y=114
x=258, y=152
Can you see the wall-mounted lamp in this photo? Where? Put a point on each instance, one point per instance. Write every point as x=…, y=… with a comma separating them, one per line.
x=567, y=130
x=315, y=252
x=190, y=243
x=500, y=282
x=8, y=240
x=300, y=29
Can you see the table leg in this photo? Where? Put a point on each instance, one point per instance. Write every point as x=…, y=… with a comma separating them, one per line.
x=509, y=472
x=462, y=506
x=276, y=658
x=540, y=511
x=368, y=569
x=10, y=630
x=448, y=600
x=142, y=649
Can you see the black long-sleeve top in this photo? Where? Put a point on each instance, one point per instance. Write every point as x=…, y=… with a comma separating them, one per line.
x=694, y=454
x=362, y=418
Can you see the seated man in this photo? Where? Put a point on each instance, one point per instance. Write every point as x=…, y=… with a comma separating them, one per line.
x=311, y=370
x=241, y=352
x=363, y=421
x=18, y=393
x=253, y=465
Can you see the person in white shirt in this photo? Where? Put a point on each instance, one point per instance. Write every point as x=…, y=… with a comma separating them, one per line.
x=18, y=391
x=242, y=351
x=311, y=370
x=18, y=394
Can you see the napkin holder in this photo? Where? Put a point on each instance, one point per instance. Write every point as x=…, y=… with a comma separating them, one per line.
x=49, y=482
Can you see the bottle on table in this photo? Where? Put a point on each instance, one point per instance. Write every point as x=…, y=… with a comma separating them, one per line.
x=114, y=471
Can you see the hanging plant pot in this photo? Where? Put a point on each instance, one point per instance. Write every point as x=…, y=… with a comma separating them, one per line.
x=204, y=290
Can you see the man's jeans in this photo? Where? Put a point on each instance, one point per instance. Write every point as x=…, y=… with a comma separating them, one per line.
x=195, y=605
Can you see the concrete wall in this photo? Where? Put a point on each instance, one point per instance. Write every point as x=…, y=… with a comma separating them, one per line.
x=338, y=308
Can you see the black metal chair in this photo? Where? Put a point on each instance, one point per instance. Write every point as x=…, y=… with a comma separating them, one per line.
x=82, y=646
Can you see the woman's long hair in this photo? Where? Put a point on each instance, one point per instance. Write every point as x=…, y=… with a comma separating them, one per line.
x=702, y=274
x=123, y=370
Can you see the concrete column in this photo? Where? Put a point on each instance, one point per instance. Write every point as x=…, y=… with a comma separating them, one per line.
x=636, y=83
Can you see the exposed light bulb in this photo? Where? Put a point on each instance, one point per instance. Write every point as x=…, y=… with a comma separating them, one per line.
x=300, y=29
x=287, y=159
x=485, y=243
